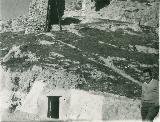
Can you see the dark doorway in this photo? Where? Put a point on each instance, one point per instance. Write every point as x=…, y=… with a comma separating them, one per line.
x=99, y=4
x=53, y=107
x=55, y=11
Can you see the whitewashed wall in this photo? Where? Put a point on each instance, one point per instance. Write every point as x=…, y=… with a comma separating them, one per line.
x=83, y=105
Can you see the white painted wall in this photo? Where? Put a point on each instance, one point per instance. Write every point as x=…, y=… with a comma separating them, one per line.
x=84, y=105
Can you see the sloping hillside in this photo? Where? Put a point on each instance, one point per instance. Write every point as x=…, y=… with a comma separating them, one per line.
x=95, y=55
x=103, y=56
x=105, y=59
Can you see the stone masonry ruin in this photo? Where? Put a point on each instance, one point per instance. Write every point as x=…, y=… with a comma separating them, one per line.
x=43, y=13
x=38, y=18
x=141, y=14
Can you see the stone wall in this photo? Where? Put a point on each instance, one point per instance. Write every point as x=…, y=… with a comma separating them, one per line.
x=38, y=12
x=83, y=105
x=37, y=16
x=127, y=11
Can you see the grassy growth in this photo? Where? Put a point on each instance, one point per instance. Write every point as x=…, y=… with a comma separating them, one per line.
x=80, y=56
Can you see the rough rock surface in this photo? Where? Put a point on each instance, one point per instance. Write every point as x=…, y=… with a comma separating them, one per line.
x=37, y=16
x=14, y=25
x=132, y=11
x=38, y=13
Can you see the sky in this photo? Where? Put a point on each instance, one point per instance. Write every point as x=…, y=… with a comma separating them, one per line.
x=13, y=8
